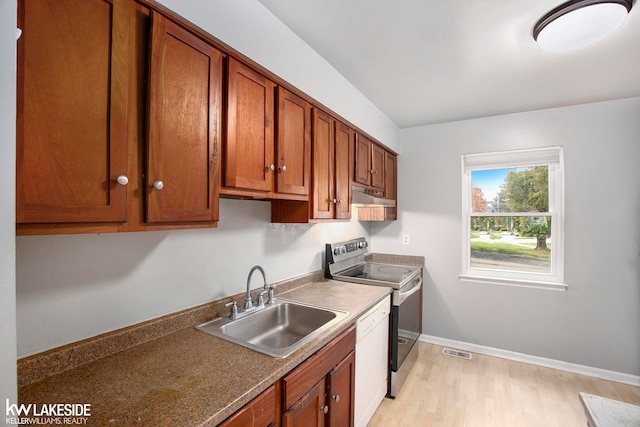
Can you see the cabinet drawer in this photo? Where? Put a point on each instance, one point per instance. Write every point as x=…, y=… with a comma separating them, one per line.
x=309, y=372
x=260, y=412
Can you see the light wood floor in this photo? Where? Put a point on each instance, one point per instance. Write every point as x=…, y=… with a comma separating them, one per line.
x=488, y=391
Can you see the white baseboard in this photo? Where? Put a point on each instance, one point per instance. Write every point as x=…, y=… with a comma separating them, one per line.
x=535, y=360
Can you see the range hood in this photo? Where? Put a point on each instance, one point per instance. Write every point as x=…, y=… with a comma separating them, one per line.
x=366, y=197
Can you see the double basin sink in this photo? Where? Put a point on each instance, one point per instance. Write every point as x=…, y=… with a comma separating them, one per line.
x=276, y=329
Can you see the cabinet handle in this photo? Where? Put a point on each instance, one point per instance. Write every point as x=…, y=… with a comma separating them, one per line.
x=336, y=398
x=325, y=409
x=122, y=180
x=158, y=185
x=283, y=168
x=271, y=167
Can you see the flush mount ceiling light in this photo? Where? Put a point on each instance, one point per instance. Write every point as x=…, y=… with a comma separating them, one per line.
x=579, y=23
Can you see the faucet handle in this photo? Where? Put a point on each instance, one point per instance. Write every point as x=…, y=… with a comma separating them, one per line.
x=261, y=299
x=234, y=309
x=270, y=297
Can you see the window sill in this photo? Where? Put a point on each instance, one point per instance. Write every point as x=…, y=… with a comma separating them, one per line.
x=551, y=286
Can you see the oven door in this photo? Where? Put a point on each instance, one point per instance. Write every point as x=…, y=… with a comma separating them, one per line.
x=405, y=321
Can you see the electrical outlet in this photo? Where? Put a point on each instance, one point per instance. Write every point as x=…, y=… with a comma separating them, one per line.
x=406, y=239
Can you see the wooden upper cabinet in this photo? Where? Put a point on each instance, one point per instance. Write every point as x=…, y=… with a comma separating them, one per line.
x=377, y=166
x=323, y=166
x=363, y=161
x=249, y=152
x=293, y=148
x=390, y=176
x=184, y=104
x=72, y=111
x=332, y=158
x=369, y=163
x=344, y=137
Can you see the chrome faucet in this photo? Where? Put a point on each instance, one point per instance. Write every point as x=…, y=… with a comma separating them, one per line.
x=248, y=304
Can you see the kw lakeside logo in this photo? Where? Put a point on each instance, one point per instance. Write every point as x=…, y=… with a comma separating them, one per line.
x=47, y=413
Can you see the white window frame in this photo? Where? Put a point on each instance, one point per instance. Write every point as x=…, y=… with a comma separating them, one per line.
x=546, y=156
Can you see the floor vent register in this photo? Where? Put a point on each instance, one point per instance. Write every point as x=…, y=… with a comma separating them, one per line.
x=457, y=353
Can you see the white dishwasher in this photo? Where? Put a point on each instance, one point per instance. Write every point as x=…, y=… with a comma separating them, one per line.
x=372, y=361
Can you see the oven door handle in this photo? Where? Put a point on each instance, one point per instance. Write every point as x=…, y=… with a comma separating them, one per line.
x=415, y=287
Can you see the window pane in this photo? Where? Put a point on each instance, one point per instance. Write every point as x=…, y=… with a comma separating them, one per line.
x=513, y=243
x=510, y=190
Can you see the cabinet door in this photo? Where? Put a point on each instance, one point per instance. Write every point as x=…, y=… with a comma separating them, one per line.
x=341, y=392
x=343, y=137
x=363, y=161
x=323, y=166
x=248, y=160
x=260, y=412
x=310, y=410
x=72, y=111
x=185, y=88
x=391, y=184
x=293, y=144
x=390, y=175
x=377, y=166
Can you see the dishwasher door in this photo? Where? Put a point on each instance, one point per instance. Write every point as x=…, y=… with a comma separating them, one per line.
x=372, y=361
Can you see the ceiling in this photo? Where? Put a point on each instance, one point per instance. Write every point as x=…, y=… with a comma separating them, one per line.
x=432, y=61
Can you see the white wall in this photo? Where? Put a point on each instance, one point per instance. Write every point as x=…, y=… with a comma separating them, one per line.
x=597, y=321
x=248, y=27
x=7, y=202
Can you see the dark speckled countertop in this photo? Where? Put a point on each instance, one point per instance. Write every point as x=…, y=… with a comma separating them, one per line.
x=183, y=377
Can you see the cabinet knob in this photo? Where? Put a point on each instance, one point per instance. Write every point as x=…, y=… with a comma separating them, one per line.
x=158, y=185
x=283, y=168
x=339, y=201
x=336, y=398
x=271, y=167
x=325, y=409
x=122, y=180
x=334, y=201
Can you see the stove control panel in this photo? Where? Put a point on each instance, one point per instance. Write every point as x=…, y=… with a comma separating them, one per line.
x=343, y=251
x=348, y=247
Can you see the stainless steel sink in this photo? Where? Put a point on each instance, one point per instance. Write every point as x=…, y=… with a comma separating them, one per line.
x=276, y=330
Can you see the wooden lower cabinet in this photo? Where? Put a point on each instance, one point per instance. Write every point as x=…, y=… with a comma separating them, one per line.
x=319, y=392
x=262, y=411
x=340, y=392
x=310, y=410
